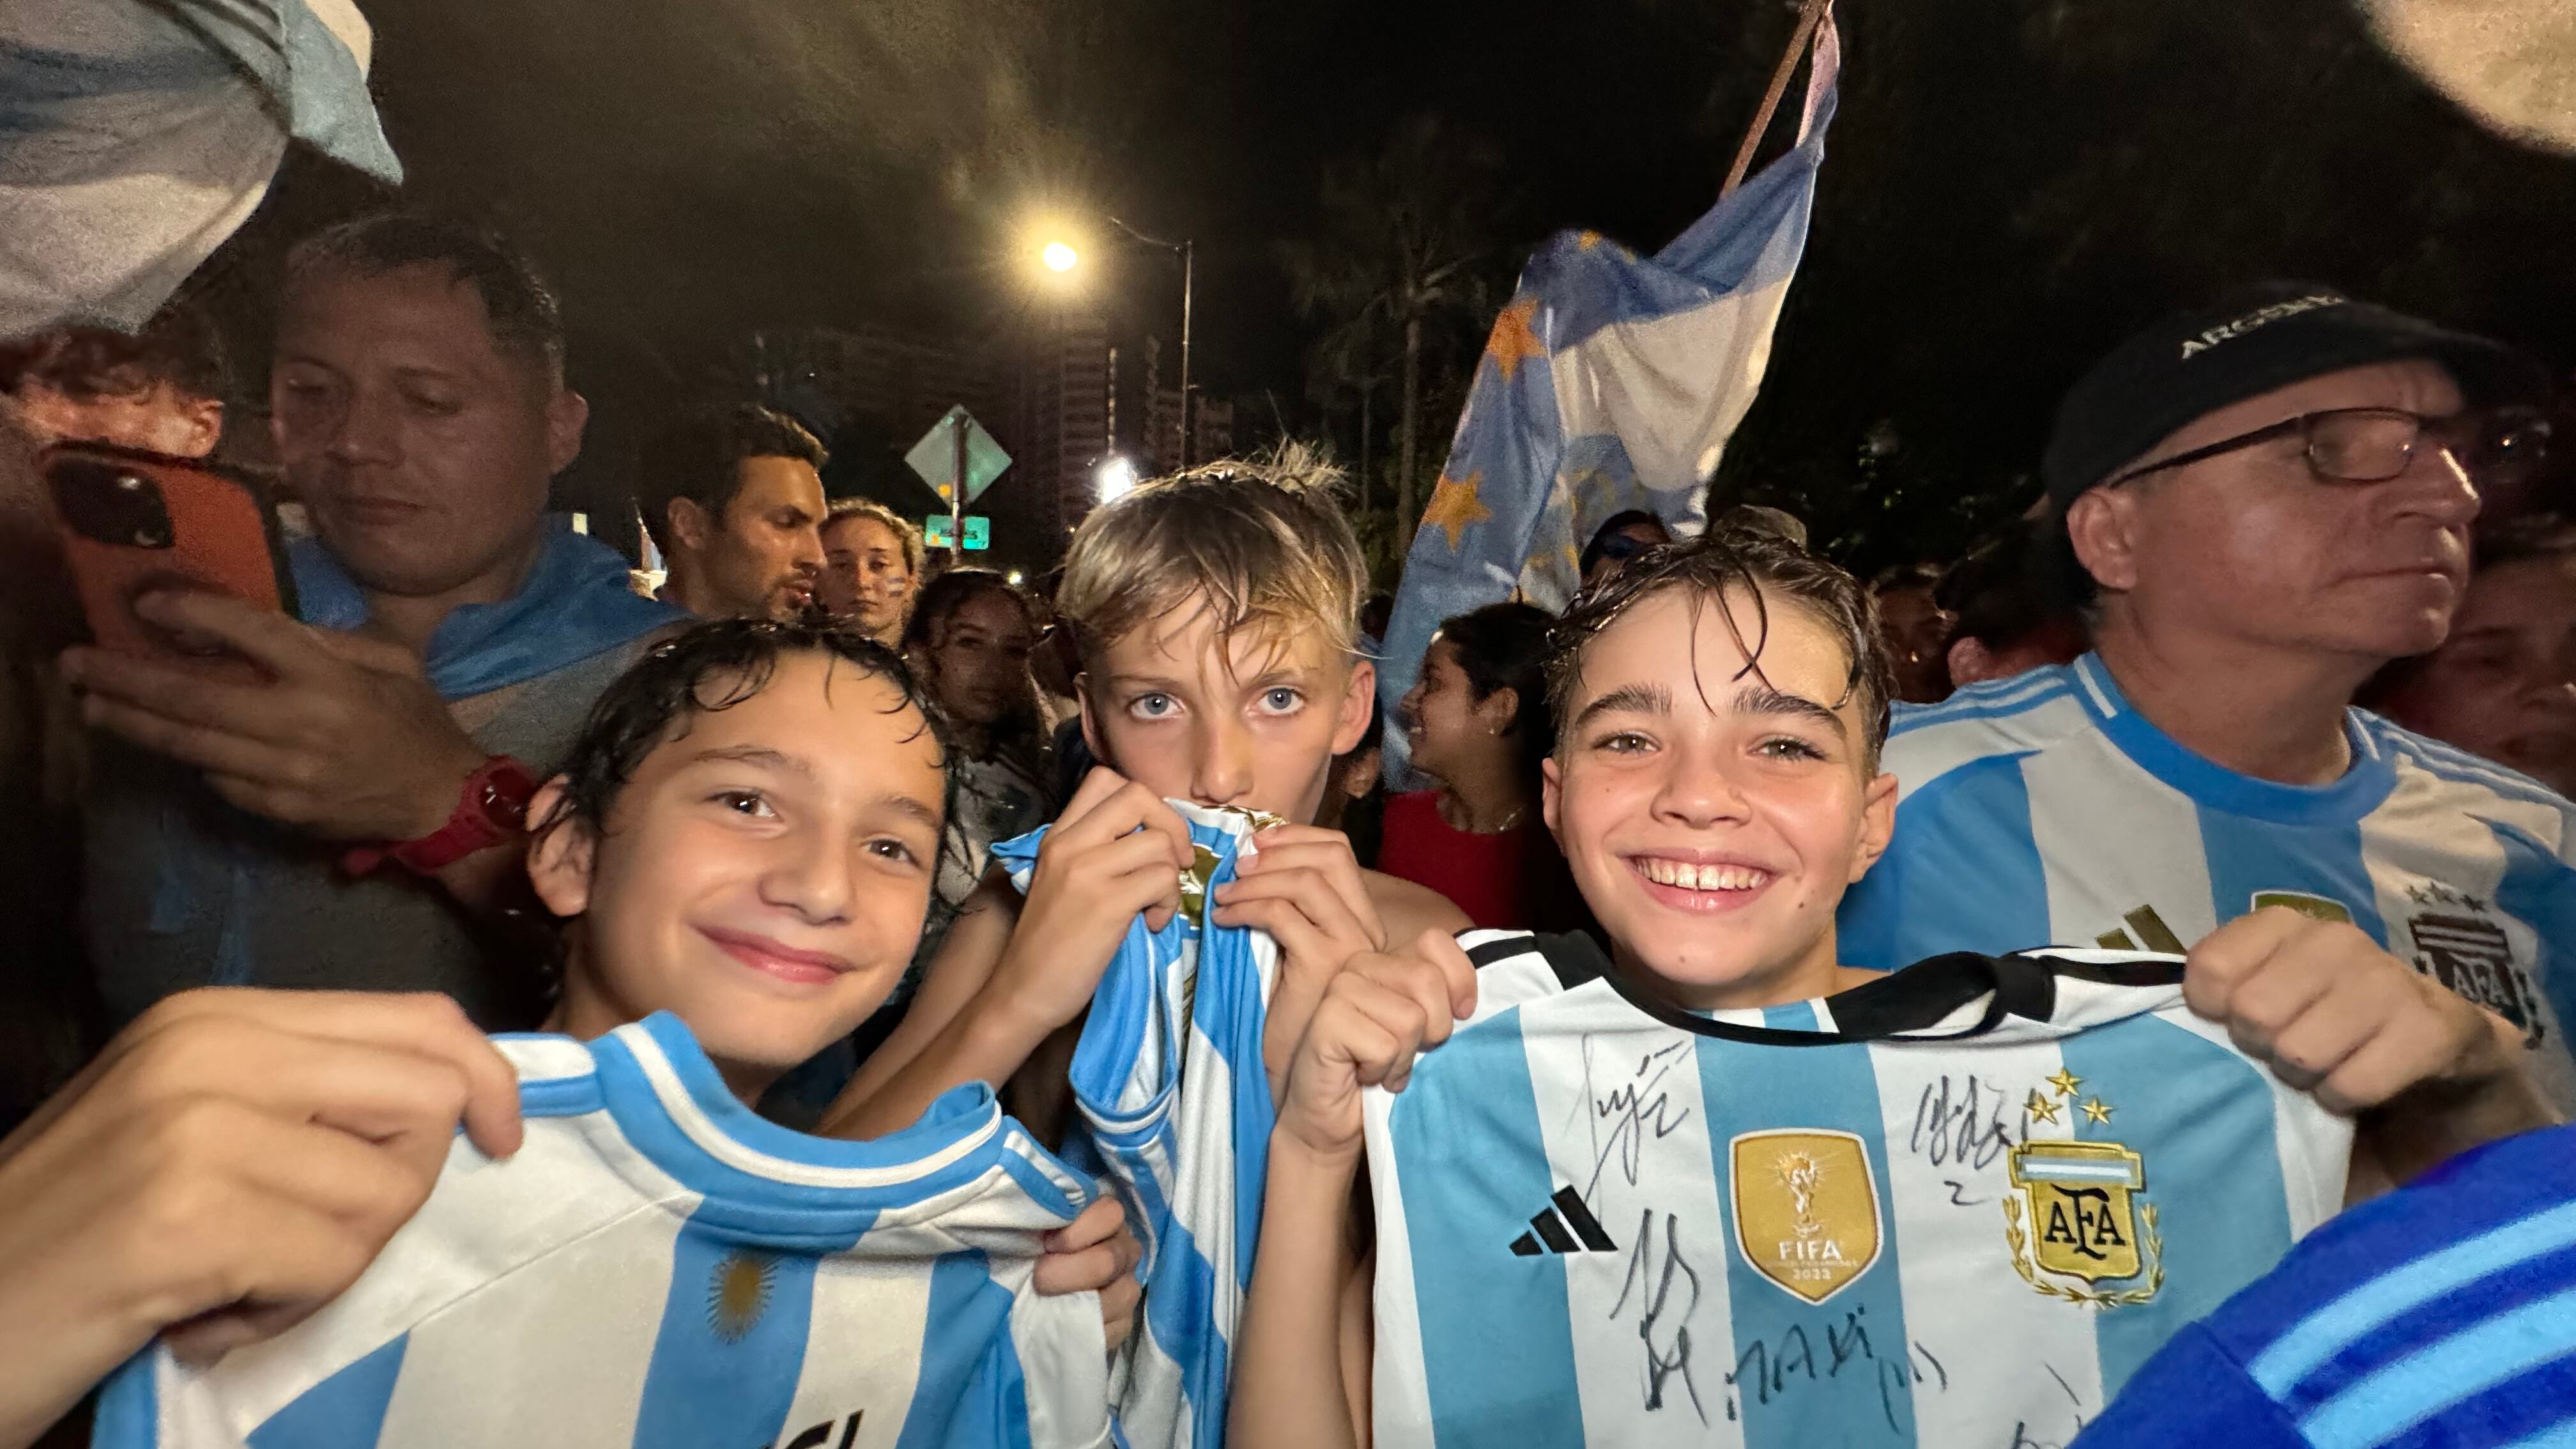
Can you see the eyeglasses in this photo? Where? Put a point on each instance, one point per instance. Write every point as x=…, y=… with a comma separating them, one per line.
x=2373, y=445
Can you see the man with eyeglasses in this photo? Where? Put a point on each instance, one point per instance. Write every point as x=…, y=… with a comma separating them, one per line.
x=2259, y=505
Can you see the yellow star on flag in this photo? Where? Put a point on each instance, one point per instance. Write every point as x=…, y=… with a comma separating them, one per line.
x=2065, y=1082
x=1512, y=338
x=2097, y=1110
x=2041, y=1107
x=1454, y=506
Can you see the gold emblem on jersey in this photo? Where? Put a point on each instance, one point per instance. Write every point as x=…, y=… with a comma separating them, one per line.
x=1203, y=861
x=2077, y=1211
x=1806, y=1209
x=738, y=1293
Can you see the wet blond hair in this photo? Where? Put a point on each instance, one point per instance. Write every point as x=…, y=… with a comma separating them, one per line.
x=1261, y=541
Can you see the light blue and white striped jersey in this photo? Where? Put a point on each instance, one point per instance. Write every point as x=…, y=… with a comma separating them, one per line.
x=1174, y=1105
x=657, y=1266
x=1956, y=1205
x=2442, y=1314
x=2043, y=809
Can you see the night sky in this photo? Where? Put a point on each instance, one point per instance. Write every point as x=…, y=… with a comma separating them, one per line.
x=2012, y=182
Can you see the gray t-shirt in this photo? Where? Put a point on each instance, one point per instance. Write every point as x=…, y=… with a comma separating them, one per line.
x=185, y=891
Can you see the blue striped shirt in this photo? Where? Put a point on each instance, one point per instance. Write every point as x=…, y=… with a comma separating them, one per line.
x=2043, y=809
x=2441, y=1314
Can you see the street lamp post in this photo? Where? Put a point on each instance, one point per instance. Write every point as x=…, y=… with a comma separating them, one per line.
x=1060, y=256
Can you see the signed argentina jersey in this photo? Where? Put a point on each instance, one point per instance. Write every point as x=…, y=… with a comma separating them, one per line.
x=2044, y=809
x=1953, y=1206
x=658, y=1266
x=1174, y=1105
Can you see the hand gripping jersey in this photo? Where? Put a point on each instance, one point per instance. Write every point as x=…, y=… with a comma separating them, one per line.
x=2443, y=1313
x=657, y=1266
x=1956, y=1205
x=2043, y=808
x=1175, y=1107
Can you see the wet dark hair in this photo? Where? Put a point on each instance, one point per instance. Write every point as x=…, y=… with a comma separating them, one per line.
x=1751, y=560
x=179, y=346
x=1504, y=646
x=699, y=458
x=517, y=305
x=711, y=666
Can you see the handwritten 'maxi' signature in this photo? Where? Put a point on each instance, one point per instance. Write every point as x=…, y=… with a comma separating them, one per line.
x=1774, y=1368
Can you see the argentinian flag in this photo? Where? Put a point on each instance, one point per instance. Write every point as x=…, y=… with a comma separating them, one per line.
x=1611, y=382
x=135, y=137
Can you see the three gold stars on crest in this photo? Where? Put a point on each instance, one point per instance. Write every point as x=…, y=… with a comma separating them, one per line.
x=2043, y=1108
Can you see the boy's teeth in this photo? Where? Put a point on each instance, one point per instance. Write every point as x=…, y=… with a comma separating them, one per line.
x=1703, y=877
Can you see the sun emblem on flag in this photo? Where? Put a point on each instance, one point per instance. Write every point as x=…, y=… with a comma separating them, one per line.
x=738, y=1293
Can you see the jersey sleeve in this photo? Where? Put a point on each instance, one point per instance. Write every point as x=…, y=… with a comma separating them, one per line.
x=2192, y=1392
x=1961, y=873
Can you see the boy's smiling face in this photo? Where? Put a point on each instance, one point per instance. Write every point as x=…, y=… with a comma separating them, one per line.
x=1252, y=720
x=764, y=873
x=1713, y=815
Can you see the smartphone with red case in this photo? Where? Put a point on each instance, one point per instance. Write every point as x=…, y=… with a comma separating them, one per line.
x=134, y=523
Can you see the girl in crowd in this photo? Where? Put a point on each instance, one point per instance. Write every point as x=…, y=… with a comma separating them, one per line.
x=1477, y=723
x=970, y=638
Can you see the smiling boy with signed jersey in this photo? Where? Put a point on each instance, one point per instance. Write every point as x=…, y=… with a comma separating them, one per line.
x=1950, y=1206
x=1714, y=1187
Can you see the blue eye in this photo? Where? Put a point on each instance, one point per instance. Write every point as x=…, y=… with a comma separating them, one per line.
x=1282, y=700
x=1152, y=706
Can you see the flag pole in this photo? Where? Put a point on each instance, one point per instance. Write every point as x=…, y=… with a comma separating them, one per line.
x=1808, y=17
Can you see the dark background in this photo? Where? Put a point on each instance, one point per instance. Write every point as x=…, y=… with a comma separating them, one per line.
x=2011, y=185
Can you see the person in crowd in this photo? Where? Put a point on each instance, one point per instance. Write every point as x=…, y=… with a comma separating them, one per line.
x=1917, y=628
x=733, y=497
x=351, y=812
x=871, y=567
x=2503, y=684
x=160, y=390
x=1216, y=611
x=2007, y=620
x=744, y=836
x=1476, y=721
x=1621, y=537
x=970, y=639
x=1727, y=699
x=2269, y=500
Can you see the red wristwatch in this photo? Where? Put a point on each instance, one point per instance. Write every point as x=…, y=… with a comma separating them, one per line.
x=492, y=809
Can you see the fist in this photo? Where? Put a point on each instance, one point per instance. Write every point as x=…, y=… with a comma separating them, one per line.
x=1376, y=1016
x=2329, y=1011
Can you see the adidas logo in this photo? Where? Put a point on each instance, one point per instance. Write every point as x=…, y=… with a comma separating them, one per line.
x=1566, y=1227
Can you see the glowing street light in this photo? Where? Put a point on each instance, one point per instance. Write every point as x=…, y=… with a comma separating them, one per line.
x=1114, y=477
x=1059, y=256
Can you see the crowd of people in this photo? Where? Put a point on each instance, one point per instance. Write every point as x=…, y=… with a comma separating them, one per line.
x=1063, y=949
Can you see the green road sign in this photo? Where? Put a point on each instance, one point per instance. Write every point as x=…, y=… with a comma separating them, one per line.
x=935, y=456
x=935, y=534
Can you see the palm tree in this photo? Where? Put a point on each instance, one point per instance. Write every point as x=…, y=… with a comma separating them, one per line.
x=1399, y=266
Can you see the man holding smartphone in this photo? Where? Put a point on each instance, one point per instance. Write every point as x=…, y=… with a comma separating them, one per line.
x=339, y=804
